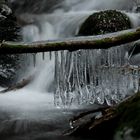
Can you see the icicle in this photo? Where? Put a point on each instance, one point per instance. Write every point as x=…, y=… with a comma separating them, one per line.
x=89, y=76
x=68, y=74
x=62, y=78
x=57, y=84
x=136, y=79
x=43, y=55
x=76, y=77
x=34, y=59
x=74, y=84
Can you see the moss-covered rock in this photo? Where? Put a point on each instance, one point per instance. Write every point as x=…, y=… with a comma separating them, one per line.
x=105, y=22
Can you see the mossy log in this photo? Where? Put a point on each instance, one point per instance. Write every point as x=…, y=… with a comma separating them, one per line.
x=88, y=42
x=113, y=120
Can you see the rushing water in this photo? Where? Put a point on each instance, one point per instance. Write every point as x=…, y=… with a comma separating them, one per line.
x=30, y=113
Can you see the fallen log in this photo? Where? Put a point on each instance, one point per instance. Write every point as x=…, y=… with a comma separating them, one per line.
x=72, y=44
x=18, y=85
x=113, y=120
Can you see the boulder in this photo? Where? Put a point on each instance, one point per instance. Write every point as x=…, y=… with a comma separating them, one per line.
x=104, y=22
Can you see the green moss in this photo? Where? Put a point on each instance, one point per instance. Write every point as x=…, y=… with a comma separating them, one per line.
x=105, y=22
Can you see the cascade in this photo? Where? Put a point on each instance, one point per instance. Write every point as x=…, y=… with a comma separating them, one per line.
x=65, y=79
x=84, y=76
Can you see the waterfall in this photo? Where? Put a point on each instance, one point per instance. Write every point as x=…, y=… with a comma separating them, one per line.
x=84, y=76
x=65, y=80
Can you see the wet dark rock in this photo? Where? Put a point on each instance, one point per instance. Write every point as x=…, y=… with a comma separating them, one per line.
x=105, y=22
x=5, y=10
x=120, y=122
x=9, y=31
x=128, y=126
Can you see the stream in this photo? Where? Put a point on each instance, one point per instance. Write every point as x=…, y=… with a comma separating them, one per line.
x=38, y=112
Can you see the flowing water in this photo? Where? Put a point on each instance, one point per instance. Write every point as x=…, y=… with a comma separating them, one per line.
x=65, y=82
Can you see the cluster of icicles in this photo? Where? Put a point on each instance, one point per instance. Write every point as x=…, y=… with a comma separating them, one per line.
x=94, y=76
